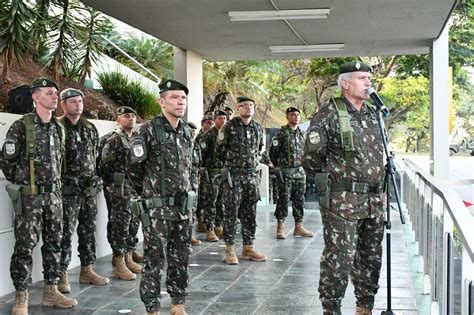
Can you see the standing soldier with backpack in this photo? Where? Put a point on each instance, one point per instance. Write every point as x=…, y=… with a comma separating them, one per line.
x=80, y=188
x=32, y=153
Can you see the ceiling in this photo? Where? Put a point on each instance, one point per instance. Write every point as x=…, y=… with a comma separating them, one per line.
x=366, y=27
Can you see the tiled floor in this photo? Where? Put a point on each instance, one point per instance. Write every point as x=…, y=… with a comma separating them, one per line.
x=285, y=284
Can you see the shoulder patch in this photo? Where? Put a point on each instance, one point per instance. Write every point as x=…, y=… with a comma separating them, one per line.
x=275, y=142
x=314, y=137
x=138, y=149
x=10, y=149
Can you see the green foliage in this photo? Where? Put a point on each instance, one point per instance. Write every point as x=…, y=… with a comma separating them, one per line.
x=129, y=93
x=13, y=32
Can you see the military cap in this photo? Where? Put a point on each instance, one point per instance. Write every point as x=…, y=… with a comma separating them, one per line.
x=70, y=92
x=192, y=125
x=173, y=85
x=219, y=112
x=292, y=109
x=125, y=109
x=353, y=66
x=228, y=108
x=241, y=99
x=43, y=82
x=207, y=117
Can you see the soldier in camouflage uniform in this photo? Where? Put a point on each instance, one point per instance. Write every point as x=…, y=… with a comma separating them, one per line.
x=239, y=146
x=197, y=161
x=80, y=188
x=207, y=122
x=344, y=150
x=123, y=225
x=285, y=152
x=161, y=152
x=211, y=192
x=32, y=153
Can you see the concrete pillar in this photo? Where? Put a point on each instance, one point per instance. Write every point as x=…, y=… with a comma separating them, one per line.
x=439, y=113
x=188, y=70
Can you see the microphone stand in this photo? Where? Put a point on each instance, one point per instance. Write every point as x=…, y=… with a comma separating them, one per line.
x=389, y=177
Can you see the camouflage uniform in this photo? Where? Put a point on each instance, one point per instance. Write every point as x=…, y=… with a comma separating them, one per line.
x=353, y=224
x=240, y=147
x=285, y=152
x=199, y=208
x=212, y=184
x=123, y=225
x=169, y=234
x=41, y=213
x=80, y=188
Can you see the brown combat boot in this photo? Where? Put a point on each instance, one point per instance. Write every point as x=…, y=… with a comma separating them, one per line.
x=301, y=231
x=201, y=227
x=89, y=276
x=177, y=309
x=137, y=257
x=230, y=256
x=281, y=231
x=121, y=270
x=63, y=284
x=53, y=298
x=362, y=311
x=194, y=241
x=211, y=236
x=219, y=231
x=20, y=307
x=131, y=265
x=249, y=253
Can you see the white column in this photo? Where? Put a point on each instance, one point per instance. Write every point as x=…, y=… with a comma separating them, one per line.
x=188, y=70
x=439, y=113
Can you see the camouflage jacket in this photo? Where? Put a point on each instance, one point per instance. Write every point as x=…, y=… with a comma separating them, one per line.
x=115, y=156
x=207, y=144
x=324, y=153
x=286, y=151
x=47, y=158
x=82, y=142
x=196, y=164
x=240, y=146
x=146, y=170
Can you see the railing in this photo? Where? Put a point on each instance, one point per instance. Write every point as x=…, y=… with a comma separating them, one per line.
x=444, y=230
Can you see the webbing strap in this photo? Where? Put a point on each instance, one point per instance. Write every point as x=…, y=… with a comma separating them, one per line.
x=31, y=148
x=347, y=139
x=159, y=130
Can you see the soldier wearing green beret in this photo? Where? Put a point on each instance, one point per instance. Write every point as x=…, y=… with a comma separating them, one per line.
x=80, y=188
x=123, y=224
x=161, y=155
x=344, y=151
x=33, y=156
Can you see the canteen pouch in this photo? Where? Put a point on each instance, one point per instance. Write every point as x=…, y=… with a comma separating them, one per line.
x=322, y=182
x=139, y=210
x=188, y=202
x=14, y=192
x=119, y=182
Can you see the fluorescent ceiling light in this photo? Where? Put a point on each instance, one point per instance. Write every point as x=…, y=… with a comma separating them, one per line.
x=305, y=48
x=305, y=14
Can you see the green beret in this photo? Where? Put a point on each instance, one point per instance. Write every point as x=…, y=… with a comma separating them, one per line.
x=292, y=109
x=67, y=93
x=192, y=125
x=241, y=99
x=228, y=108
x=43, y=82
x=207, y=117
x=219, y=112
x=353, y=66
x=173, y=85
x=125, y=109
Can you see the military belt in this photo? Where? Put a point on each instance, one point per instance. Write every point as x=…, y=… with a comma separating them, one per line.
x=167, y=201
x=214, y=170
x=361, y=188
x=245, y=170
x=42, y=189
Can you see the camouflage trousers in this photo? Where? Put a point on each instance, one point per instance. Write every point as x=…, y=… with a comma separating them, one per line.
x=294, y=189
x=212, y=201
x=273, y=188
x=165, y=241
x=350, y=247
x=80, y=210
x=241, y=199
x=123, y=224
x=36, y=219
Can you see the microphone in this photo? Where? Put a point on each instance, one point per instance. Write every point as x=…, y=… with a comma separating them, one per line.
x=378, y=102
